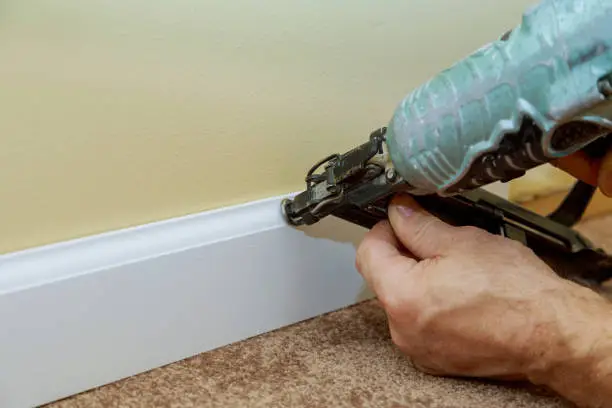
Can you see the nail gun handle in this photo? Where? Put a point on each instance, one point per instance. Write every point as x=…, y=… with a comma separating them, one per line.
x=570, y=254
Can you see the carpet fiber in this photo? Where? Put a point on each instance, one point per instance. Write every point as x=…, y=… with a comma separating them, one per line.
x=342, y=359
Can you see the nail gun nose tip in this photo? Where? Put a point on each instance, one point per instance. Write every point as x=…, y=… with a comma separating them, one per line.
x=286, y=211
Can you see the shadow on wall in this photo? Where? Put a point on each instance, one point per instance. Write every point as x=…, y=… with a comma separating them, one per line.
x=340, y=231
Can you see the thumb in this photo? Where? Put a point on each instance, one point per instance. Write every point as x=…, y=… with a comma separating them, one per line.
x=423, y=234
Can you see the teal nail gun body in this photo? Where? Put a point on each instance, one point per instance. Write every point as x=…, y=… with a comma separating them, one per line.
x=540, y=92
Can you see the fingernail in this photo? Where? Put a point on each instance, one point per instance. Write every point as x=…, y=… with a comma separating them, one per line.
x=405, y=211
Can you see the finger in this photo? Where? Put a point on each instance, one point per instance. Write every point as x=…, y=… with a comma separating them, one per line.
x=605, y=175
x=580, y=166
x=425, y=235
x=382, y=262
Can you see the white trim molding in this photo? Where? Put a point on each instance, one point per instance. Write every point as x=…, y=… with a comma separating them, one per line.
x=80, y=314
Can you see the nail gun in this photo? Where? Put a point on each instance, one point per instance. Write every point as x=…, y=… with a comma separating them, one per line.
x=540, y=92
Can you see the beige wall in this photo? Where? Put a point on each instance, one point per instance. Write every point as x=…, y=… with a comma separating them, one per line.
x=540, y=182
x=119, y=113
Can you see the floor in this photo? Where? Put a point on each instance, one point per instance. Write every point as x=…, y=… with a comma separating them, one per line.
x=342, y=359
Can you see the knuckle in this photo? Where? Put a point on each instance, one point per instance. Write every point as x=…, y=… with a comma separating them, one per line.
x=362, y=256
x=359, y=258
x=406, y=303
x=394, y=304
x=399, y=306
x=358, y=264
x=364, y=252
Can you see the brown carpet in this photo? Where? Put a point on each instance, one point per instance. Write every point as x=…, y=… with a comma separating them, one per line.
x=342, y=359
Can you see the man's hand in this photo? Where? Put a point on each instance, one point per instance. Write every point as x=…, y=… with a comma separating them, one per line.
x=597, y=172
x=463, y=302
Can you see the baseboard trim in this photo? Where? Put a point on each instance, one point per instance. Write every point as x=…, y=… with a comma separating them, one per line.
x=88, y=312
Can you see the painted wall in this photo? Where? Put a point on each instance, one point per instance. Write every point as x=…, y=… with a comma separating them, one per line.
x=540, y=182
x=119, y=113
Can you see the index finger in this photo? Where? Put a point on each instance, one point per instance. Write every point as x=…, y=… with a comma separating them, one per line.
x=382, y=261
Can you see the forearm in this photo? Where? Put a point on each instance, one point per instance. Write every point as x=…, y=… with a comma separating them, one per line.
x=576, y=359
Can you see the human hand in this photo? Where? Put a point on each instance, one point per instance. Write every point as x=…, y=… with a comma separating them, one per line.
x=463, y=302
x=597, y=172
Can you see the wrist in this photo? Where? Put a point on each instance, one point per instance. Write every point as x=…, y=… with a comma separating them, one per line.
x=574, y=352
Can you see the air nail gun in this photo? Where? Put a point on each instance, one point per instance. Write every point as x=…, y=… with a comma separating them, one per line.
x=540, y=92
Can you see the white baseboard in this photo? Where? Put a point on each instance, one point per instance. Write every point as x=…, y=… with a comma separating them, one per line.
x=84, y=313
x=80, y=314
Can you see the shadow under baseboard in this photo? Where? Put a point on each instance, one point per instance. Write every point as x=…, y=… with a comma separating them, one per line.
x=340, y=231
